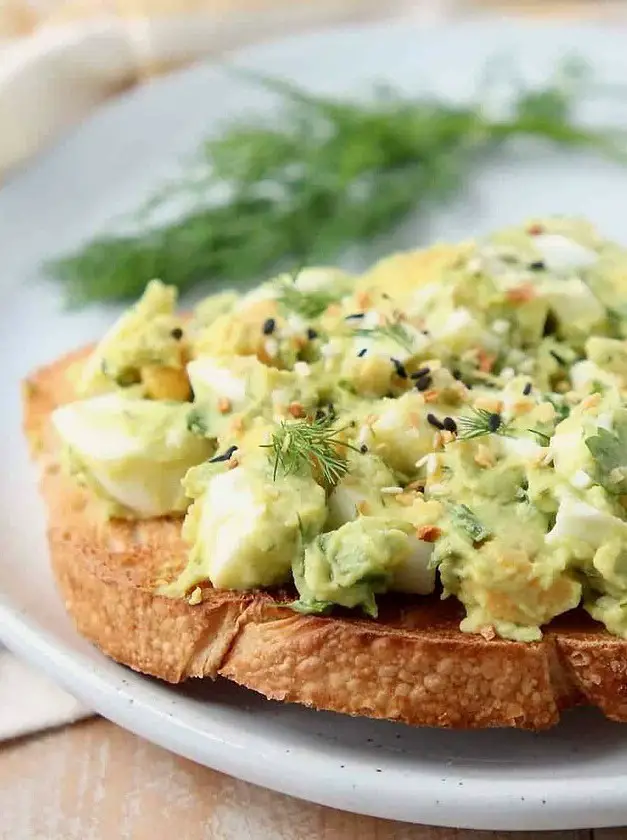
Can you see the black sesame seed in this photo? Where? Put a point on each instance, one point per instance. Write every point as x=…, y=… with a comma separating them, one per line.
x=449, y=424
x=538, y=265
x=362, y=353
x=224, y=457
x=527, y=389
x=550, y=324
x=456, y=373
x=494, y=422
x=311, y=334
x=399, y=369
x=433, y=421
x=423, y=371
x=326, y=412
x=268, y=326
x=424, y=382
x=557, y=357
x=177, y=333
x=363, y=449
x=355, y=316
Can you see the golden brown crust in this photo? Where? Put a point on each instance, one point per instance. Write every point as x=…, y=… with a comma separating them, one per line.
x=412, y=664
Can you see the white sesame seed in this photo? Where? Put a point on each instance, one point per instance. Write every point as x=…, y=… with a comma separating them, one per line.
x=391, y=491
x=500, y=326
x=364, y=436
x=302, y=369
x=548, y=458
x=436, y=488
x=328, y=350
x=271, y=346
x=295, y=325
x=196, y=597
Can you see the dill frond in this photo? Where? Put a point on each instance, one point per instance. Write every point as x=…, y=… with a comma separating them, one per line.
x=481, y=423
x=325, y=174
x=309, y=444
x=394, y=332
x=310, y=304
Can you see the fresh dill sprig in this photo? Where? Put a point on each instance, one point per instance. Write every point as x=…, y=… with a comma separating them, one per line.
x=467, y=521
x=323, y=175
x=307, y=304
x=609, y=451
x=394, y=332
x=481, y=423
x=309, y=444
x=544, y=438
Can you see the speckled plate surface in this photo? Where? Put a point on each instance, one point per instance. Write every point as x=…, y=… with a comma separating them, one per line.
x=570, y=777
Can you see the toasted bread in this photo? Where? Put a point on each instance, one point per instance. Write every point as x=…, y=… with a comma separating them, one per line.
x=412, y=664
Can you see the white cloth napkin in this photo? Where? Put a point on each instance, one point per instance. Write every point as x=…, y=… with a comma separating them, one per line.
x=52, y=79
x=30, y=702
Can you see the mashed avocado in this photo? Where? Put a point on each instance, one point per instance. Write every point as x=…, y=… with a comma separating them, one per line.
x=455, y=417
x=145, y=348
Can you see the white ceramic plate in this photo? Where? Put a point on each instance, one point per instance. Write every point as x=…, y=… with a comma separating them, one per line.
x=570, y=777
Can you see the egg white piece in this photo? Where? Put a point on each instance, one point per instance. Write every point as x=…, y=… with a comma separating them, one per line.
x=414, y=576
x=581, y=521
x=231, y=515
x=211, y=379
x=140, y=471
x=562, y=254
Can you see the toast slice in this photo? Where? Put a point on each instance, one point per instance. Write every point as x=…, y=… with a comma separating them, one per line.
x=412, y=664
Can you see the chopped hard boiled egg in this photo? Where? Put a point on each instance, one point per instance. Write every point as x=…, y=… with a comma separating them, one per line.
x=579, y=521
x=415, y=575
x=461, y=408
x=244, y=529
x=563, y=254
x=215, y=378
x=131, y=453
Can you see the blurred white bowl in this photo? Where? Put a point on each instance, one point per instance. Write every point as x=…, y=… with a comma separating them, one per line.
x=54, y=77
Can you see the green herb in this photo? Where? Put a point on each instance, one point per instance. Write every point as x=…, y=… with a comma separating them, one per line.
x=306, y=304
x=197, y=423
x=562, y=409
x=609, y=451
x=306, y=444
x=465, y=520
x=311, y=607
x=325, y=174
x=544, y=438
x=480, y=423
x=393, y=332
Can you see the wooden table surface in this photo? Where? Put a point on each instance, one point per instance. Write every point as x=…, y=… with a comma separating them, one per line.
x=94, y=781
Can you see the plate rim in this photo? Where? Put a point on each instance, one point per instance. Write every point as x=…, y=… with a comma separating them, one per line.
x=117, y=694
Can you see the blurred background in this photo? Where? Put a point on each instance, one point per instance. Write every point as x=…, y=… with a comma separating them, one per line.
x=60, y=58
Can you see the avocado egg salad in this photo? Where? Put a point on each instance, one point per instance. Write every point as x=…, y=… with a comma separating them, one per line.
x=453, y=419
